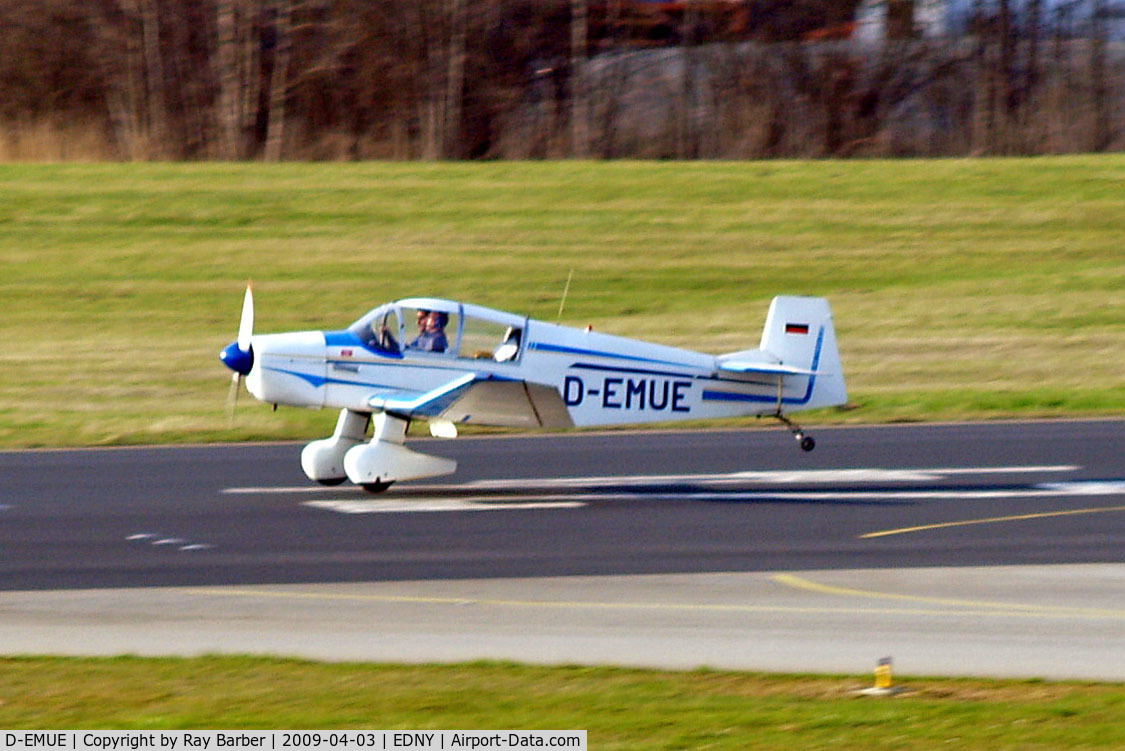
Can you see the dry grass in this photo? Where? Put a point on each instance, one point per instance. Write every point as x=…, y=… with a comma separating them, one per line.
x=50, y=141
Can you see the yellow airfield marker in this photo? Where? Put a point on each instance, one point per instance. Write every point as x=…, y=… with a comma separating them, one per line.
x=884, y=681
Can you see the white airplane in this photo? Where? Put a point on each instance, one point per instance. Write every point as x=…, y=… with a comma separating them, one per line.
x=451, y=363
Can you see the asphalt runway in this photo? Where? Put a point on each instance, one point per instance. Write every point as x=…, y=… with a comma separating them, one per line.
x=981, y=549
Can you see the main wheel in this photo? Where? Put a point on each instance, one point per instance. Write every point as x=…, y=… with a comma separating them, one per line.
x=331, y=480
x=378, y=486
x=807, y=443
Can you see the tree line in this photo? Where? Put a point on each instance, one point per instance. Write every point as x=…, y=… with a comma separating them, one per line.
x=480, y=79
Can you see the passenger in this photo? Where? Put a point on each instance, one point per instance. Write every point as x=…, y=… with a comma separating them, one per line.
x=432, y=338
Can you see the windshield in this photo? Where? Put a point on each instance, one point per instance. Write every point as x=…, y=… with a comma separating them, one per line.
x=379, y=329
x=427, y=326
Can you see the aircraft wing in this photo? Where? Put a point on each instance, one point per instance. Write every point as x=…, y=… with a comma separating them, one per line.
x=481, y=399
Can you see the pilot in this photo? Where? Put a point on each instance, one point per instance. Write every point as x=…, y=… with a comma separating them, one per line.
x=386, y=339
x=432, y=338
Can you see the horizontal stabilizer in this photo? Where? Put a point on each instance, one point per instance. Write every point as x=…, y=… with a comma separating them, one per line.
x=743, y=366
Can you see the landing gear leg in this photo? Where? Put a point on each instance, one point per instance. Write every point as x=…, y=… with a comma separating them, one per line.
x=323, y=461
x=806, y=442
x=377, y=464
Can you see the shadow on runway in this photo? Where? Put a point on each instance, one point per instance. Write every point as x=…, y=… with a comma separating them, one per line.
x=884, y=494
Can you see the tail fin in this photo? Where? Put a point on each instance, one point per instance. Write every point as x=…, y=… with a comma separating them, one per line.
x=798, y=347
x=799, y=332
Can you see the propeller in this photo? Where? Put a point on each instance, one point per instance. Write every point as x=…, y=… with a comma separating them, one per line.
x=232, y=397
x=246, y=325
x=239, y=354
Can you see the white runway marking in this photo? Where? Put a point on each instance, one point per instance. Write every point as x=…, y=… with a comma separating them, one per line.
x=1044, y=490
x=1089, y=487
x=776, y=477
x=264, y=490
x=158, y=540
x=574, y=492
x=431, y=505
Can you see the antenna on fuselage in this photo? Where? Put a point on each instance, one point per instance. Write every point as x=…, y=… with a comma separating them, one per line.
x=566, y=291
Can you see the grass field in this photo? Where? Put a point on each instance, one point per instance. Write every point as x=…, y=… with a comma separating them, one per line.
x=961, y=288
x=620, y=708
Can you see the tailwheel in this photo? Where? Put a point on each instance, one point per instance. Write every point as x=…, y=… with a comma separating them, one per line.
x=378, y=486
x=806, y=442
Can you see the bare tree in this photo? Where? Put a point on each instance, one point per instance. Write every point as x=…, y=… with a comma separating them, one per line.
x=579, y=88
x=279, y=79
x=357, y=79
x=230, y=94
x=687, y=111
x=155, y=83
x=454, y=79
x=438, y=67
x=1100, y=130
x=129, y=56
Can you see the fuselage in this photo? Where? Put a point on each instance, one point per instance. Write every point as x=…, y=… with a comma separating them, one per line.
x=601, y=379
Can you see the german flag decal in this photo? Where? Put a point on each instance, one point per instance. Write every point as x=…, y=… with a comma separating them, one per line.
x=797, y=328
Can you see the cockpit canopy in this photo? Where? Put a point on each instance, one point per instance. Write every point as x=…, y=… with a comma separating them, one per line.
x=430, y=327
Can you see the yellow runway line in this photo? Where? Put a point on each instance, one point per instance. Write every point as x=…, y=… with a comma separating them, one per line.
x=995, y=608
x=992, y=520
x=960, y=607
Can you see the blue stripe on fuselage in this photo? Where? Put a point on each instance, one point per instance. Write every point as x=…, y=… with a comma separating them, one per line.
x=562, y=350
x=346, y=338
x=319, y=381
x=639, y=371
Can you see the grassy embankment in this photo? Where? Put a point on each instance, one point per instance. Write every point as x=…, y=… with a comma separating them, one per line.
x=962, y=289
x=621, y=709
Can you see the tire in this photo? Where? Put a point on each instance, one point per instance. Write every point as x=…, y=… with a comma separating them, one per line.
x=331, y=481
x=807, y=443
x=378, y=486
